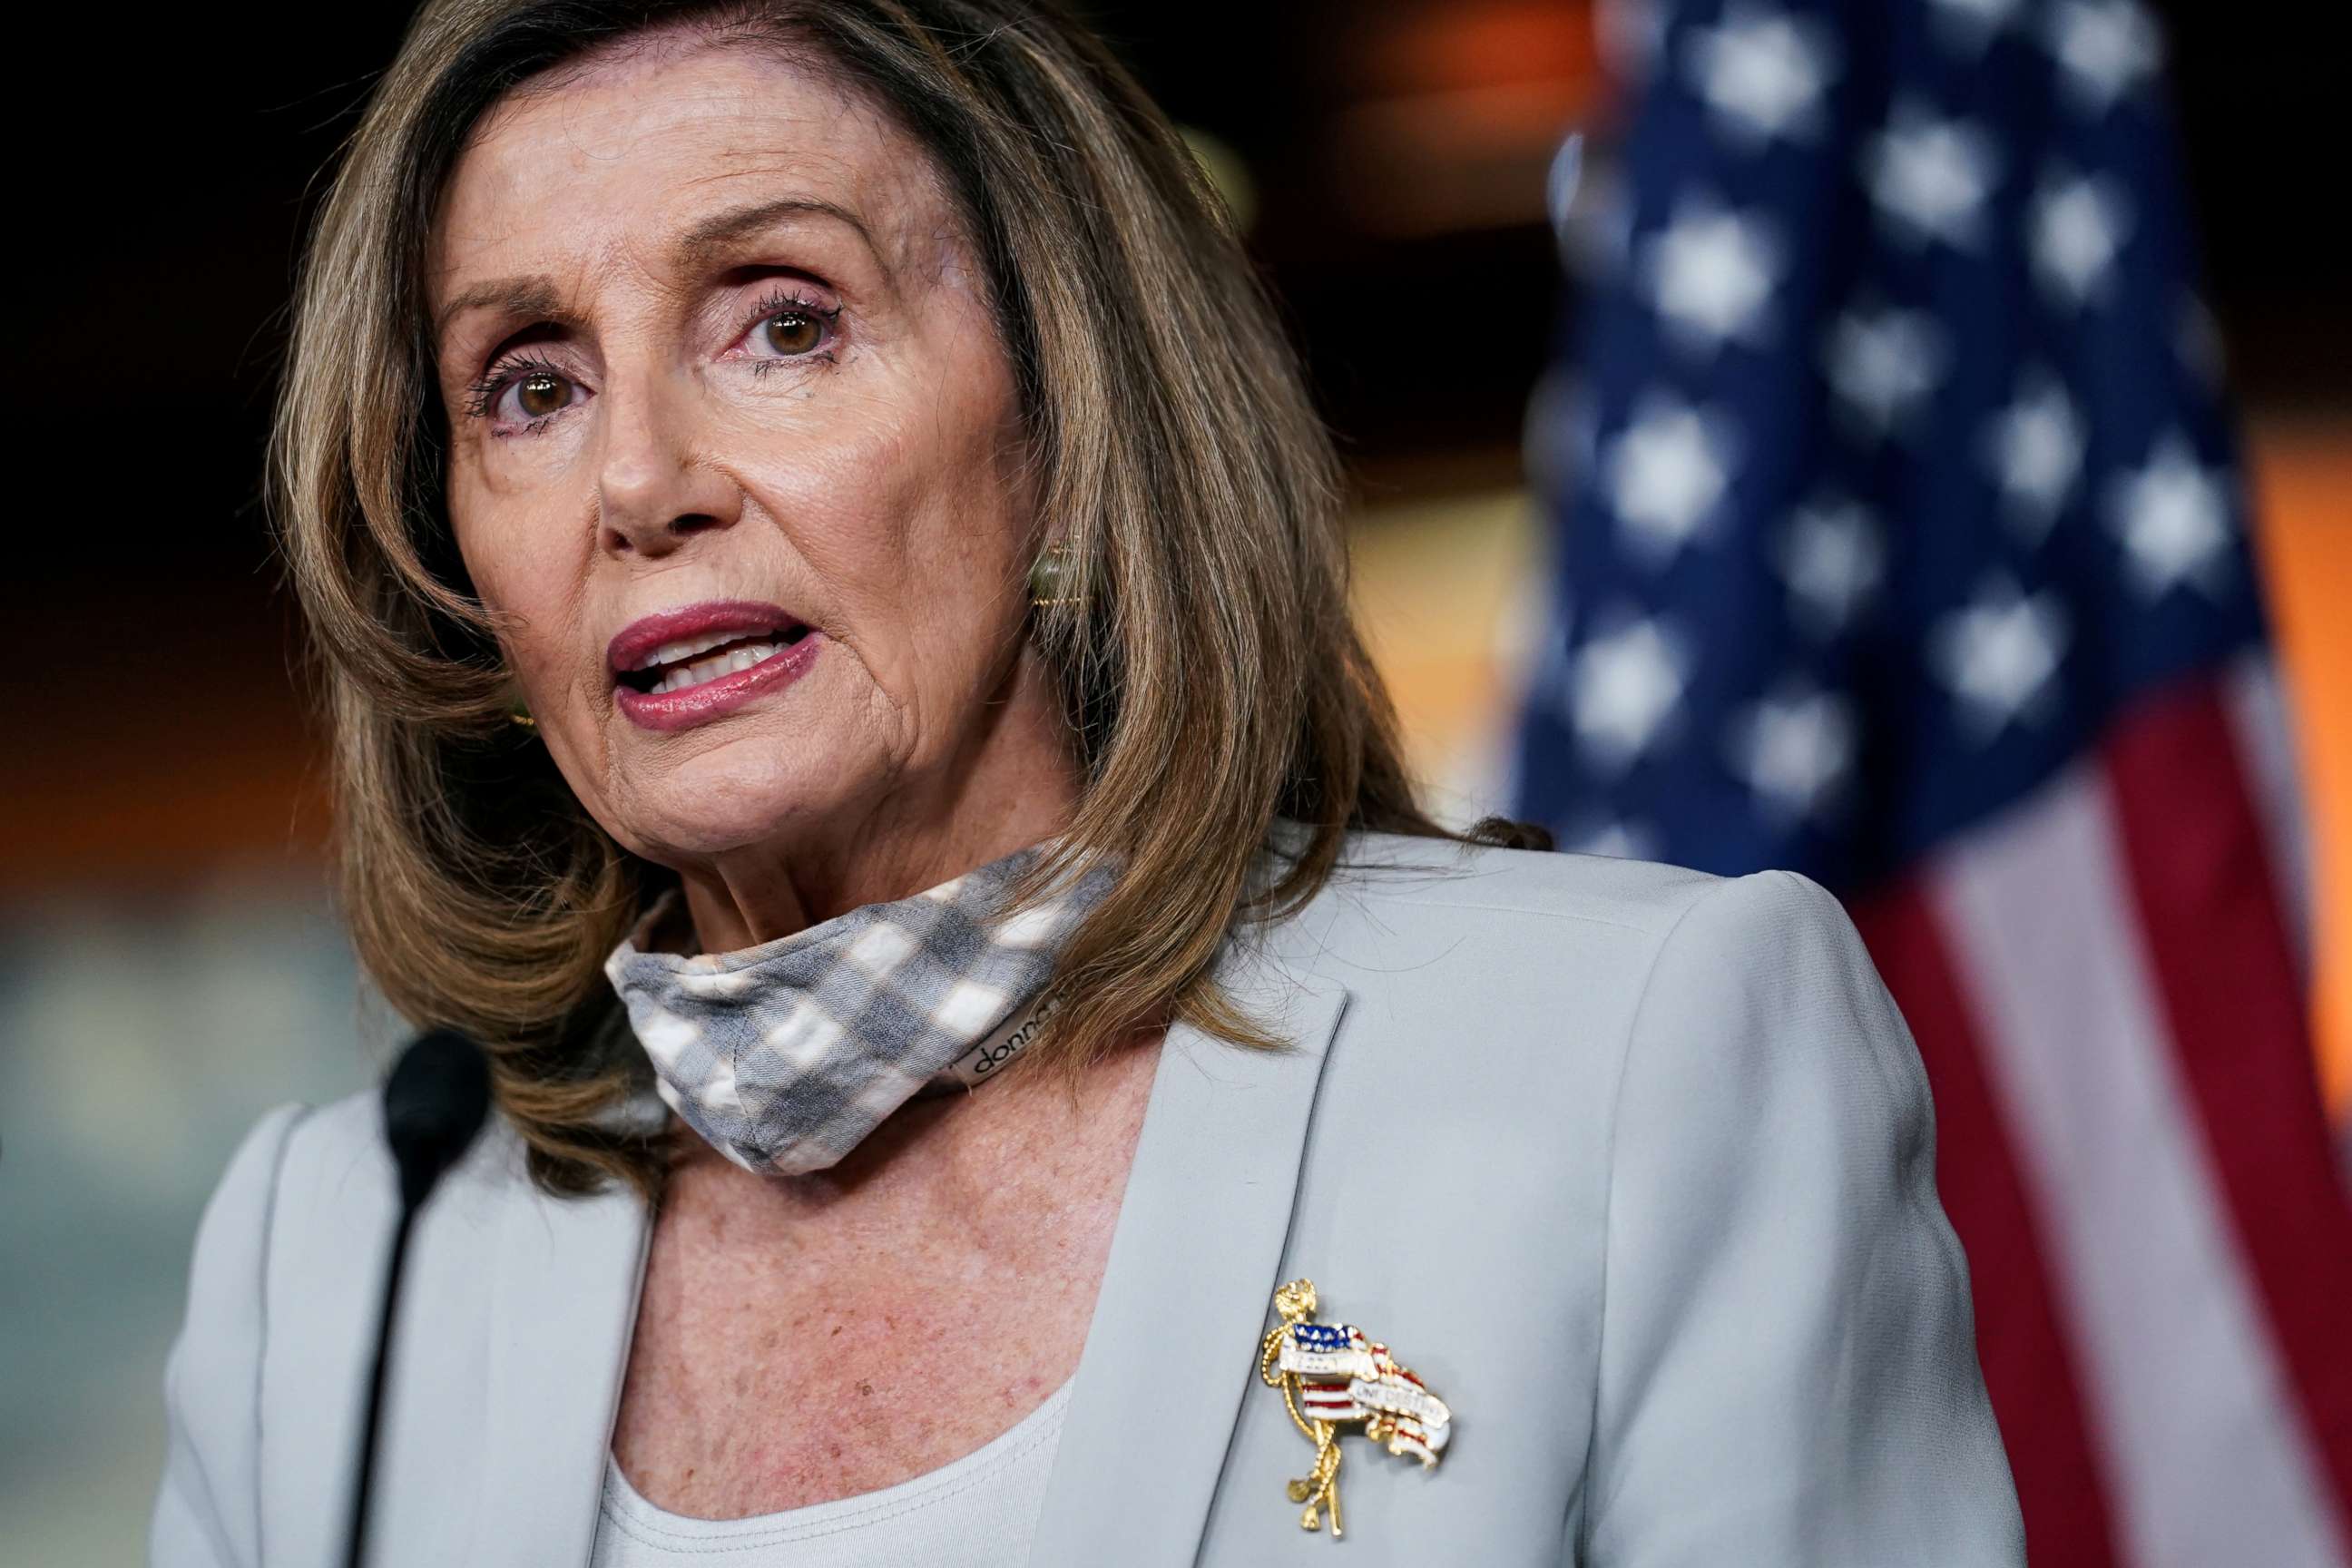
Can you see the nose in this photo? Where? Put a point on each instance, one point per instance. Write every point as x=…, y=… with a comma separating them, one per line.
x=656, y=485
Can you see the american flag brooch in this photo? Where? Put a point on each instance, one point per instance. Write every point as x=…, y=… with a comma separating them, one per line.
x=1331, y=1376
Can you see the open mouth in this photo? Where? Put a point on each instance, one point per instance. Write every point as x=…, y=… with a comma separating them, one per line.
x=693, y=661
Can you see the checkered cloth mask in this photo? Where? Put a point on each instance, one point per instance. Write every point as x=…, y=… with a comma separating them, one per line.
x=786, y=1054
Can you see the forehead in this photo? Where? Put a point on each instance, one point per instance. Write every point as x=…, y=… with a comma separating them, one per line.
x=615, y=157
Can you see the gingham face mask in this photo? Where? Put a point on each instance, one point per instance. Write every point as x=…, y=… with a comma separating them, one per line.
x=783, y=1057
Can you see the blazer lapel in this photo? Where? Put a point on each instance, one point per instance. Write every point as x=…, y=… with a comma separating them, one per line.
x=1188, y=1289
x=562, y=1312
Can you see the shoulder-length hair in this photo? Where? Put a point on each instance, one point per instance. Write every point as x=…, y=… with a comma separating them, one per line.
x=1182, y=466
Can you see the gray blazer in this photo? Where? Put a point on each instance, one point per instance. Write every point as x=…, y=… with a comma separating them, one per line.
x=1634, y=1166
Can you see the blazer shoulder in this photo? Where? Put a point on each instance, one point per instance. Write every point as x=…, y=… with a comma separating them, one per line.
x=340, y=1189
x=1484, y=946
x=331, y=1132
x=1440, y=873
x=1487, y=950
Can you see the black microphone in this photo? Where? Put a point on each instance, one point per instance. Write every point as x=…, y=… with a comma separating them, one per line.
x=434, y=1103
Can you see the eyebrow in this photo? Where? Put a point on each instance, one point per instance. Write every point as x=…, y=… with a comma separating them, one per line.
x=537, y=296
x=714, y=234
x=513, y=296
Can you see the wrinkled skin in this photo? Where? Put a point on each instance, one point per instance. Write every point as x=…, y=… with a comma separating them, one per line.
x=680, y=441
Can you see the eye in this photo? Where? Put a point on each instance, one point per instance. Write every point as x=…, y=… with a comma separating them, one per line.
x=794, y=331
x=789, y=327
x=522, y=390
x=541, y=393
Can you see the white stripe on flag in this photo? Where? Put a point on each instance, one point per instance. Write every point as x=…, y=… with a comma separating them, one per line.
x=2184, y=1391
x=2262, y=722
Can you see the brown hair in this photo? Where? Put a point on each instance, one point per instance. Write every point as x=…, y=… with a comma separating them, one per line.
x=1182, y=466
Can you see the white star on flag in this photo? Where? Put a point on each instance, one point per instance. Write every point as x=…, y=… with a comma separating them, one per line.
x=1665, y=474
x=2173, y=516
x=2000, y=656
x=1794, y=749
x=1761, y=73
x=1710, y=273
x=1929, y=177
x=2104, y=47
x=2078, y=227
x=1883, y=363
x=1625, y=688
x=1832, y=559
x=1971, y=25
x=2035, y=449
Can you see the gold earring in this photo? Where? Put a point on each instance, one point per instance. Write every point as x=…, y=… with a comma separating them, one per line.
x=1052, y=578
x=518, y=711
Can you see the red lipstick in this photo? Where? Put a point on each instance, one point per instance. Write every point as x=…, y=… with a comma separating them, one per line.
x=683, y=667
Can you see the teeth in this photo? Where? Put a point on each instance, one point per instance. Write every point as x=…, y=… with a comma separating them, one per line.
x=685, y=647
x=702, y=669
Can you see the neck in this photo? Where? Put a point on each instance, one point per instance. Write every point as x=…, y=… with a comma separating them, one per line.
x=976, y=1164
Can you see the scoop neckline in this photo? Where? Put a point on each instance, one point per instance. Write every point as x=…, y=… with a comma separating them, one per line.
x=630, y=1510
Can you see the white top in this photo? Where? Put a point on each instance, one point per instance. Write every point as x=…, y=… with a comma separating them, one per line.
x=979, y=1511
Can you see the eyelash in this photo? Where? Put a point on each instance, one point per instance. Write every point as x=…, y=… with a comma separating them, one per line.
x=483, y=395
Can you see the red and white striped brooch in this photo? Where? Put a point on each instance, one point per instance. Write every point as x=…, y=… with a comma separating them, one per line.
x=1331, y=1376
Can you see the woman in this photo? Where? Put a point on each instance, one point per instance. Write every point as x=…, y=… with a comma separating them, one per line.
x=852, y=434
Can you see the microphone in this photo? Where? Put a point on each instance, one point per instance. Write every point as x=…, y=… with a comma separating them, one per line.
x=434, y=1103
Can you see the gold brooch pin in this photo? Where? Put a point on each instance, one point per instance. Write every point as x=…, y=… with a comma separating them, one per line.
x=1332, y=1377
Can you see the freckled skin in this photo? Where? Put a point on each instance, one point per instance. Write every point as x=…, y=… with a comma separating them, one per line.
x=933, y=1287
x=804, y=1339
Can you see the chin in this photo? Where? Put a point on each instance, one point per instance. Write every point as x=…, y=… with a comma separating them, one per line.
x=736, y=797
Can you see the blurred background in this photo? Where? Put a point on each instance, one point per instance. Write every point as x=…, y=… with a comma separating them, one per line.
x=1460, y=204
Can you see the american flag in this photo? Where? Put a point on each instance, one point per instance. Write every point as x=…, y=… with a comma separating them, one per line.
x=1901, y=542
x=1343, y=1376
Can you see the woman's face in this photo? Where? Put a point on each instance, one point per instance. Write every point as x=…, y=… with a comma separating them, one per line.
x=725, y=395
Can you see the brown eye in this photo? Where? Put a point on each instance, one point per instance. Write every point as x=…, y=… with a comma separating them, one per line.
x=541, y=393
x=794, y=332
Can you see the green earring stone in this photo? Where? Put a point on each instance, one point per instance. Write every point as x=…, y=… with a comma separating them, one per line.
x=1050, y=577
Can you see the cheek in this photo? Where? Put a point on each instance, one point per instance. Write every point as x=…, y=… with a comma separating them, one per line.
x=516, y=557
x=908, y=511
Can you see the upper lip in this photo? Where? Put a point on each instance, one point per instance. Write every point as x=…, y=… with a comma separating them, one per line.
x=637, y=641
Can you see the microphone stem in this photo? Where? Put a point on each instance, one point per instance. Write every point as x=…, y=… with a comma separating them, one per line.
x=357, y=1537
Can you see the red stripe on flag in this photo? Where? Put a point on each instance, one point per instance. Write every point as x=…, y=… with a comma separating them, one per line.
x=2225, y=971
x=2028, y=1368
